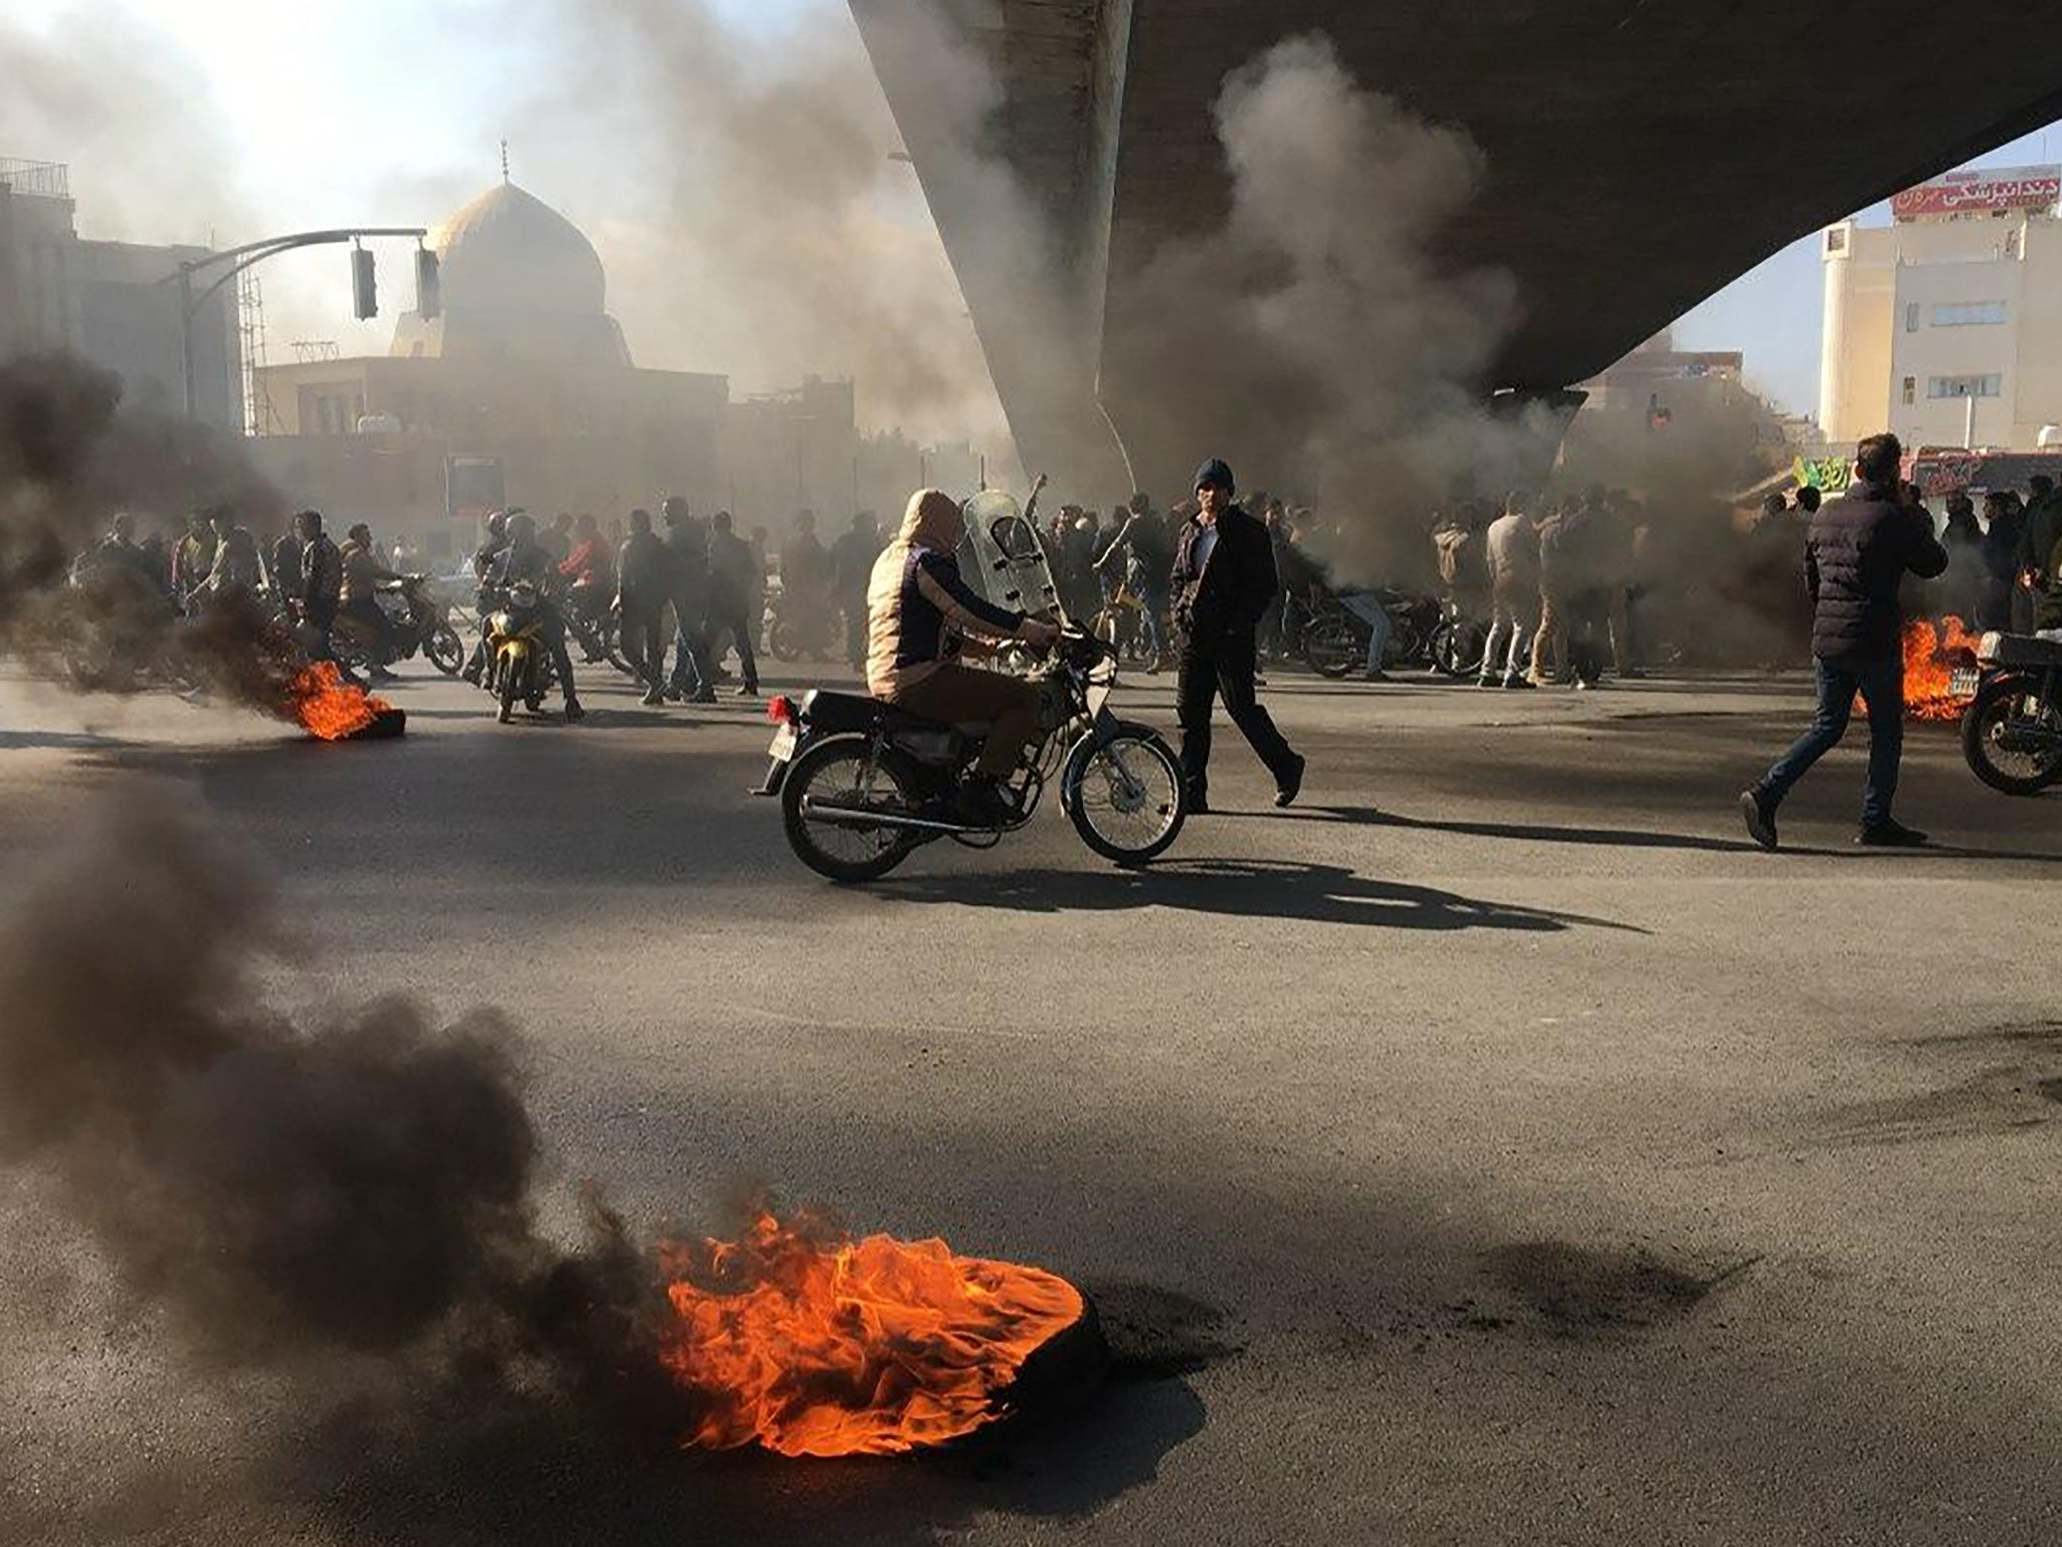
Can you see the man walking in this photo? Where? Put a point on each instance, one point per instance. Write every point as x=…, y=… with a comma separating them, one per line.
x=1858, y=550
x=1223, y=582
x=687, y=571
x=735, y=576
x=644, y=583
x=1512, y=548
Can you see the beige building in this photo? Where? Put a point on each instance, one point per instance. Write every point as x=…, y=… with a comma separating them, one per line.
x=1946, y=325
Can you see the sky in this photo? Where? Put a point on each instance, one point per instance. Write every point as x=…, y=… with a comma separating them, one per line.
x=392, y=112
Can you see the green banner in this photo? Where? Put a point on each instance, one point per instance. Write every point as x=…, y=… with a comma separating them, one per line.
x=1832, y=474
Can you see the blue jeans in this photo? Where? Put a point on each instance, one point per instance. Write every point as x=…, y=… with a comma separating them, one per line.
x=1367, y=606
x=1881, y=684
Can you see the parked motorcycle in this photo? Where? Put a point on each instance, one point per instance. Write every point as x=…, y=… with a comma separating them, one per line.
x=421, y=622
x=521, y=666
x=2012, y=729
x=595, y=628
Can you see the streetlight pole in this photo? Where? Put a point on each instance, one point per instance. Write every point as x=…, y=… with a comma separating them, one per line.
x=239, y=259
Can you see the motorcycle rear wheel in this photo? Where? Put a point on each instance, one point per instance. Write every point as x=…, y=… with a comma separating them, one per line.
x=1331, y=646
x=1126, y=798
x=834, y=772
x=1457, y=649
x=1988, y=717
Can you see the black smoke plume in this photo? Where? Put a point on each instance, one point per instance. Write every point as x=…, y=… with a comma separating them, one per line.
x=288, y=1193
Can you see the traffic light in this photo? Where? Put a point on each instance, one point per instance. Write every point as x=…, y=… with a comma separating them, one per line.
x=429, y=287
x=364, y=288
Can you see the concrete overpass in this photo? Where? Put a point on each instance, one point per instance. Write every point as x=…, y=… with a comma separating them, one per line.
x=1641, y=154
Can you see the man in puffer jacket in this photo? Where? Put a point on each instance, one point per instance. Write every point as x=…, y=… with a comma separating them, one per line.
x=1859, y=549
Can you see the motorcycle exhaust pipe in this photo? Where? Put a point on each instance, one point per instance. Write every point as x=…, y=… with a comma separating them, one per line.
x=846, y=816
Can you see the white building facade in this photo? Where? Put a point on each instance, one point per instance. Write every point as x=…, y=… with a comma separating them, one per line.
x=1945, y=327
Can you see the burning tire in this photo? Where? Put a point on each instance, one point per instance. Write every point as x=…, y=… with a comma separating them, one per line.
x=843, y=772
x=1126, y=798
x=2012, y=737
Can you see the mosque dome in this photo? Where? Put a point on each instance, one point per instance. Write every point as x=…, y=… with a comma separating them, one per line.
x=509, y=249
x=519, y=281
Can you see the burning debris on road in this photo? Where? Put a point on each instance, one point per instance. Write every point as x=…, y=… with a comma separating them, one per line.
x=367, y=1185
x=336, y=710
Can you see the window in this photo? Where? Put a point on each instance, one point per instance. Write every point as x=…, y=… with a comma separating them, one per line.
x=1911, y=384
x=1967, y=314
x=1911, y=317
x=1964, y=386
x=1836, y=239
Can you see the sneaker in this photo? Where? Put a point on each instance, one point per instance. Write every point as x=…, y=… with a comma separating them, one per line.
x=471, y=674
x=1377, y=675
x=1286, y=790
x=981, y=803
x=652, y=696
x=1197, y=804
x=1487, y=682
x=1525, y=683
x=703, y=695
x=749, y=690
x=1890, y=834
x=574, y=711
x=1760, y=817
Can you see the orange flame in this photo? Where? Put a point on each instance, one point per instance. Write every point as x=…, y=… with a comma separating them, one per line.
x=851, y=1348
x=1934, y=649
x=331, y=707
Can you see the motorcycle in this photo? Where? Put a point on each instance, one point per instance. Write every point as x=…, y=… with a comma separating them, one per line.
x=421, y=622
x=863, y=785
x=1457, y=641
x=2012, y=729
x=521, y=665
x=595, y=628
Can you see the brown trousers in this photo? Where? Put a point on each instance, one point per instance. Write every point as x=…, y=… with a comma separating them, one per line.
x=960, y=695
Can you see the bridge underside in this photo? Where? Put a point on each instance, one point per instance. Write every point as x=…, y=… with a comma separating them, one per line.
x=1640, y=155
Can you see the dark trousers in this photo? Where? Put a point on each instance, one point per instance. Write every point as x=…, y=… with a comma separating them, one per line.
x=369, y=615
x=1223, y=668
x=690, y=647
x=855, y=630
x=1881, y=684
x=644, y=641
x=729, y=616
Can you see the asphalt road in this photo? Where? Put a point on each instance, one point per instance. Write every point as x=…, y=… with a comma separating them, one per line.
x=1494, y=1148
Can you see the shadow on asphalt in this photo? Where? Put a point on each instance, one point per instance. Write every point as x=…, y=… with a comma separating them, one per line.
x=1323, y=894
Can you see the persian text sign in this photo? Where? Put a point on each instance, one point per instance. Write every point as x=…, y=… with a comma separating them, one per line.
x=1979, y=192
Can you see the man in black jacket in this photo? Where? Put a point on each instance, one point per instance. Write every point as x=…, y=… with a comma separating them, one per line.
x=1224, y=580
x=1858, y=550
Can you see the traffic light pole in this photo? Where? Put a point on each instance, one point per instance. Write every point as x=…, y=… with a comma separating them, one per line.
x=239, y=259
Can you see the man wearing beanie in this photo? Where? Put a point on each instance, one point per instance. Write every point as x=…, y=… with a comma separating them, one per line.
x=1223, y=583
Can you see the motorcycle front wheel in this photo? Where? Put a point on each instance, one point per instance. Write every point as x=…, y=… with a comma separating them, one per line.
x=445, y=650
x=842, y=773
x=1457, y=649
x=1127, y=798
x=2003, y=710
x=1331, y=646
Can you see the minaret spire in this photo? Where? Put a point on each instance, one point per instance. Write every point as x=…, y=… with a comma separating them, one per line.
x=504, y=161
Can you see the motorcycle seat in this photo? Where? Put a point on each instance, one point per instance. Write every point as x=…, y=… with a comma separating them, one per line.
x=2018, y=650
x=829, y=711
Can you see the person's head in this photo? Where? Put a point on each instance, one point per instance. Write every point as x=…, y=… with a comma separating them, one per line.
x=1515, y=502
x=1087, y=522
x=721, y=522
x=2040, y=485
x=865, y=525
x=497, y=524
x=309, y=524
x=758, y=537
x=564, y=523
x=123, y=527
x=673, y=510
x=1960, y=507
x=1876, y=461
x=1809, y=498
x=1141, y=503
x=805, y=522
x=1997, y=506
x=220, y=520
x=522, y=527
x=586, y=527
x=641, y=522
x=361, y=534
x=1214, y=488
x=1773, y=505
x=933, y=520
x=197, y=522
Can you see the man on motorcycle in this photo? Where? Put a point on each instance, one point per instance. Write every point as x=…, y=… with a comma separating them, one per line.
x=486, y=558
x=526, y=558
x=363, y=576
x=921, y=616
x=585, y=573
